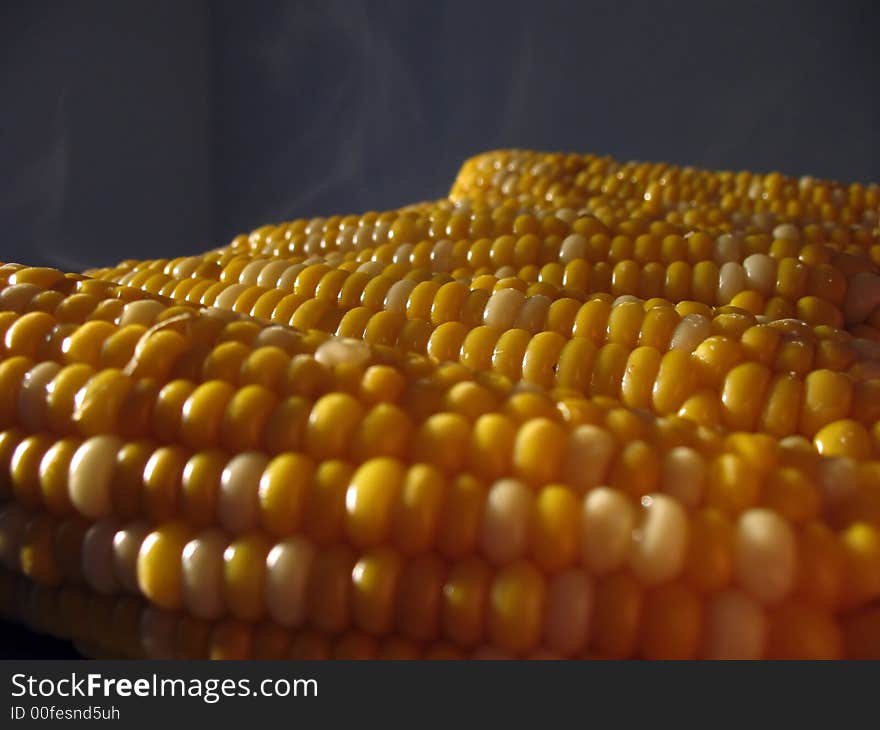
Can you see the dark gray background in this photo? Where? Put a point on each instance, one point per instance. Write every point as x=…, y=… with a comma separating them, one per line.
x=145, y=129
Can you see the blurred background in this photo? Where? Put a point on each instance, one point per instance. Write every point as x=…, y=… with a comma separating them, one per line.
x=144, y=129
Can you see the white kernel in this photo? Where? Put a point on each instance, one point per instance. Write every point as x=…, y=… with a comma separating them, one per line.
x=90, y=476
x=226, y=299
x=607, y=523
x=363, y=237
x=787, y=232
x=506, y=521
x=503, y=308
x=289, y=565
x=202, y=574
x=728, y=247
x=238, y=505
x=371, y=268
x=403, y=253
x=796, y=442
x=32, y=396
x=659, y=544
x=380, y=232
x=142, y=311
x=342, y=350
x=97, y=556
x=314, y=245
x=126, y=546
x=533, y=313
x=15, y=298
x=684, y=475
x=345, y=239
x=221, y=315
x=441, y=256
x=287, y=278
x=270, y=272
x=588, y=455
x=187, y=267
x=277, y=336
x=731, y=281
x=398, y=295
x=766, y=555
x=573, y=247
x=567, y=215
x=625, y=299
x=362, y=233
x=690, y=332
x=760, y=272
x=250, y=274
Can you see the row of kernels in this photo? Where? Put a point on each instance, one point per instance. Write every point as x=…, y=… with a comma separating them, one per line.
x=644, y=377
x=211, y=575
x=75, y=396
x=519, y=592
x=206, y=294
x=763, y=563
x=460, y=226
x=104, y=301
x=727, y=216
x=758, y=273
x=380, y=591
x=248, y=491
x=494, y=446
x=829, y=397
x=588, y=174
x=136, y=273
x=731, y=625
x=543, y=360
x=438, y=221
x=819, y=298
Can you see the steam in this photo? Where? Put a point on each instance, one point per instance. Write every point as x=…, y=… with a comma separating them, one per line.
x=35, y=191
x=516, y=114
x=354, y=95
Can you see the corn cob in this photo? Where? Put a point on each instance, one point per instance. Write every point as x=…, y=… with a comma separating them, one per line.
x=533, y=179
x=820, y=294
x=353, y=438
x=801, y=271
x=699, y=370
